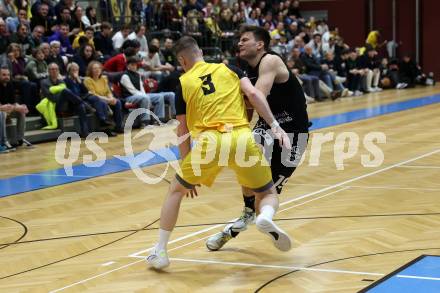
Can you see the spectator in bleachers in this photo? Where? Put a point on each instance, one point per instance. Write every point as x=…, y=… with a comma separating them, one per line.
x=410, y=73
x=75, y=84
x=168, y=54
x=170, y=16
x=115, y=66
x=389, y=73
x=316, y=45
x=90, y=19
x=21, y=37
x=192, y=25
x=292, y=30
x=294, y=10
x=155, y=66
x=310, y=82
x=77, y=19
x=340, y=63
x=278, y=31
x=85, y=37
x=4, y=37
x=45, y=47
x=13, y=22
x=321, y=27
x=10, y=104
x=70, y=4
x=54, y=89
x=64, y=17
x=85, y=55
x=36, y=68
x=42, y=18
x=62, y=35
x=35, y=39
x=191, y=5
x=121, y=36
x=7, y=9
x=133, y=92
x=299, y=43
x=208, y=10
x=268, y=21
x=337, y=80
x=313, y=67
x=354, y=74
x=329, y=47
x=36, y=6
x=369, y=63
x=55, y=57
x=103, y=41
x=98, y=85
x=16, y=63
x=139, y=35
x=252, y=19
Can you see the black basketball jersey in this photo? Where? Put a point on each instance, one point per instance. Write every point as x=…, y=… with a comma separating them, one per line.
x=286, y=100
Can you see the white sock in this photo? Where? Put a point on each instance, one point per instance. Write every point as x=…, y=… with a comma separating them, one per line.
x=267, y=212
x=164, y=236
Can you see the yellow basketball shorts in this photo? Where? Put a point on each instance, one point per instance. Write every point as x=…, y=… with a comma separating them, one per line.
x=237, y=150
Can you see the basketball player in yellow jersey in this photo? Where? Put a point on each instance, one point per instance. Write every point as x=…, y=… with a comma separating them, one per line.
x=210, y=106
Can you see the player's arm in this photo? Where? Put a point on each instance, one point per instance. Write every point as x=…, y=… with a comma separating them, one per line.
x=183, y=136
x=258, y=100
x=267, y=73
x=184, y=139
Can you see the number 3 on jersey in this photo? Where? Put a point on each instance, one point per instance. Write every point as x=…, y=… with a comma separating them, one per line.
x=207, y=85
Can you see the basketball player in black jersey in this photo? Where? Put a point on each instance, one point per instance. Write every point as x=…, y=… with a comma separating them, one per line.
x=286, y=99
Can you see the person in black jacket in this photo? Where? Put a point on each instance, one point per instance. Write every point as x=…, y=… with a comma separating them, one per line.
x=354, y=73
x=369, y=63
x=313, y=67
x=10, y=105
x=55, y=57
x=85, y=55
x=103, y=42
x=408, y=71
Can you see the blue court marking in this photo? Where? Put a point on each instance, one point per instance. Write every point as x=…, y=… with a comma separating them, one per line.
x=420, y=276
x=30, y=182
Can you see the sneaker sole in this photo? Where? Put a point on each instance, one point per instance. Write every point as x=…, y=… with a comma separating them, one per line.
x=279, y=238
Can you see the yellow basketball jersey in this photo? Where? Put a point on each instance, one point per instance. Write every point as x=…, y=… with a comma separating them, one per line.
x=213, y=98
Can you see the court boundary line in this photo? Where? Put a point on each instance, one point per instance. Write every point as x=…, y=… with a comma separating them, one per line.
x=299, y=268
x=284, y=203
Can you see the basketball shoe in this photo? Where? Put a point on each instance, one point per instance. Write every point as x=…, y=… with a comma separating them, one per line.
x=158, y=259
x=215, y=242
x=279, y=238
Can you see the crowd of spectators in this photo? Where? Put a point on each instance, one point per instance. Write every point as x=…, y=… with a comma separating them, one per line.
x=58, y=58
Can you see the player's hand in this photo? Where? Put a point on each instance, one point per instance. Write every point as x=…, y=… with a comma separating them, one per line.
x=193, y=192
x=282, y=137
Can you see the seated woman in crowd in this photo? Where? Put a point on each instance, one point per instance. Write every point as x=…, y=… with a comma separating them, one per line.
x=97, y=84
x=76, y=85
x=83, y=58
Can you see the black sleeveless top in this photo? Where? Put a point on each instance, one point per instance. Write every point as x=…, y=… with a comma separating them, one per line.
x=286, y=100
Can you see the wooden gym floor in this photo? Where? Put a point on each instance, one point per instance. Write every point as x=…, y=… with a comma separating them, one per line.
x=350, y=227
